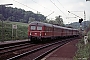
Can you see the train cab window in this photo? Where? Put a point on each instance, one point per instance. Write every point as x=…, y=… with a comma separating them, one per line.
x=33, y=27
x=39, y=28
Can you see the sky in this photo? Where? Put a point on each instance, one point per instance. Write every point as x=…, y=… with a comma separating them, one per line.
x=53, y=8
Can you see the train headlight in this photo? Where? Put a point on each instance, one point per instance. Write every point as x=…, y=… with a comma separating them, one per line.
x=45, y=33
x=40, y=34
x=30, y=34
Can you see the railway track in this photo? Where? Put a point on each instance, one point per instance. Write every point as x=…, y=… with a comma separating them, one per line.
x=4, y=48
x=34, y=51
x=13, y=43
x=39, y=52
x=14, y=50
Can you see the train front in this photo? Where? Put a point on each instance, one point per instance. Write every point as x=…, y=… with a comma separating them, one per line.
x=35, y=31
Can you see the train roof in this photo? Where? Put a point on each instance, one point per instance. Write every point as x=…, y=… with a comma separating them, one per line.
x=49, y=25
x=62, y=27
x=40, y=23
x=75, y=29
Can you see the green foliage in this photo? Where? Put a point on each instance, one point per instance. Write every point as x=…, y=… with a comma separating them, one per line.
x=83, y=51
x=31, y=19
x=59, y=20
x=89, y=36
x=22, y=29
x=18, y=15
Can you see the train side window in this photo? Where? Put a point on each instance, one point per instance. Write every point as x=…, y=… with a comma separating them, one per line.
x=49, y=29
x=45, y=29
x=39, y=28
x=33, y=27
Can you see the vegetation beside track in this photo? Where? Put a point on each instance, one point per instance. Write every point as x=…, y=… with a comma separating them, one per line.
x=83, y=52
x=22, y=29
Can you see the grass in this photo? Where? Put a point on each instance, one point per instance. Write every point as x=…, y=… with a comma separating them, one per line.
x=18, y=23
x=83, y=52
x=88, y=36
x=21, y=30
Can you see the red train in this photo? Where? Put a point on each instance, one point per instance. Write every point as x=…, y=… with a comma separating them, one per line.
x=39, y=31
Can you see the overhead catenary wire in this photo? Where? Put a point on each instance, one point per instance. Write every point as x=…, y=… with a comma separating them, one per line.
x=25, y=5
x=32, y=8
x=65, y=9
x=74, y=14
x=44, y=7
x=41, y=5
x=62, y=5
x=50, y=14
x=57, y=7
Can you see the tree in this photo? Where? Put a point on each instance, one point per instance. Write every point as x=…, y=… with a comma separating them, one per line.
x=59, y=20
x=11, y=18
x=31, y=19
x=22, y=20
x=1, y=17
x=45, y=21
x=19, y=15
x=53, y=22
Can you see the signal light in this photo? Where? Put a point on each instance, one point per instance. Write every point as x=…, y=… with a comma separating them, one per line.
x=80, y=20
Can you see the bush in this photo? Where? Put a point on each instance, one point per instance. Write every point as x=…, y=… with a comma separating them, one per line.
x=7, y=31
x=88, y=36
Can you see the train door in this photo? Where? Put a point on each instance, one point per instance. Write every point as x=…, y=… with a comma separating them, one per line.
x=39, y=30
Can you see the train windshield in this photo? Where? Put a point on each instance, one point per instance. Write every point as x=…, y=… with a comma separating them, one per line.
x=33, y=27
x=39, y=28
